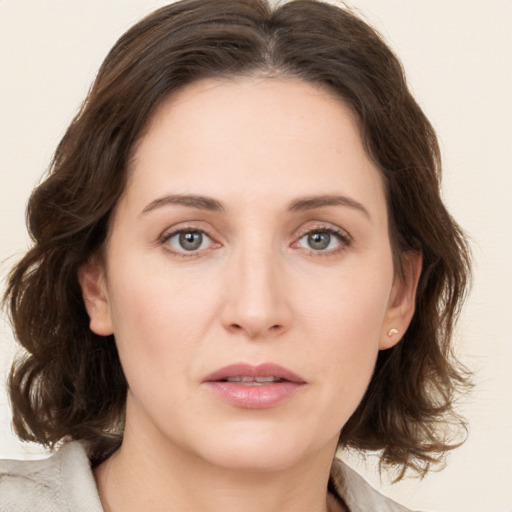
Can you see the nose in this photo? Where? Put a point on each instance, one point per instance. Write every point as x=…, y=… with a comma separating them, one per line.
x=256, y=301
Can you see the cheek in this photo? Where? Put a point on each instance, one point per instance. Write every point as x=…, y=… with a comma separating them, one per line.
x=158, y=320
x=348, y=310
x=343, y=327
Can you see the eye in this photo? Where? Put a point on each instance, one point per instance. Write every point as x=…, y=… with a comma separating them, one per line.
x=188, y=240
x=323, y=240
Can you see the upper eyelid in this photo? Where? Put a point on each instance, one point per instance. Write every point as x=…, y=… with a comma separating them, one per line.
x=324, y=226
x=297, y=235
x=171, y=233
x=344, y=237
x=185, y=226
x=300, y=232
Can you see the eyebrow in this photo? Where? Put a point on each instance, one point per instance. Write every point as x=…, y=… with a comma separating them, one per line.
x=191, y=201
x=297, y=205
x=312, y=202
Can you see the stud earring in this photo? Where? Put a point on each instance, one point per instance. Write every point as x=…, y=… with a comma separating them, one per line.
x=392, y=331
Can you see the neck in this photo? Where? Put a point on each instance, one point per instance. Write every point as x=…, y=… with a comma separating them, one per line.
x=146, y=475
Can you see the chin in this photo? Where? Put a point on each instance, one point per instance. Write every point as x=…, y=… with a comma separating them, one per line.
x=255, y=459
x=264, y=449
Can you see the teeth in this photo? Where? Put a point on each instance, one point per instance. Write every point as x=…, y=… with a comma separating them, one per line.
x=253, y=381
x=266, y=379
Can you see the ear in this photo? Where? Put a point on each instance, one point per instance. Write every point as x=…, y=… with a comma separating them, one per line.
x=92, y=279
x=402, y=300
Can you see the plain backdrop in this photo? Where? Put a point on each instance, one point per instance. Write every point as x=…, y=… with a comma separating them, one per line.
x=457, y=55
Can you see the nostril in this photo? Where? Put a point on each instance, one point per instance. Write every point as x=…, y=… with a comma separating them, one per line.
x=276, y=328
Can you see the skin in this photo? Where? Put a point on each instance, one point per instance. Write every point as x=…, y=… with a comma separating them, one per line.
x=254, y=291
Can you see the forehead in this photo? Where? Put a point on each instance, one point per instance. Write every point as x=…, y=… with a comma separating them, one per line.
x=255, y=136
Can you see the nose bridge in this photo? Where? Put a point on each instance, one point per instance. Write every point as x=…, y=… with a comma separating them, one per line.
x=256, y=302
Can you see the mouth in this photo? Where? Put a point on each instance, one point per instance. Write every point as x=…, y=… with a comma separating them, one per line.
x=254, y=387
x=247, y=374
x=253, y=381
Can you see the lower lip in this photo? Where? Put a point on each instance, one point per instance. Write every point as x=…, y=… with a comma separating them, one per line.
x=254, y=397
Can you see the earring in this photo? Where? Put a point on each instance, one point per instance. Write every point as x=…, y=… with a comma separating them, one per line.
x=392, y=331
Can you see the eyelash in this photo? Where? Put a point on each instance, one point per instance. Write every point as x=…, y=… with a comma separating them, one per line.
x=164, y=239
x=343, y=237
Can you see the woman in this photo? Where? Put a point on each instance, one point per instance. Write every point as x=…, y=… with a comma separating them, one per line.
x=241, y=264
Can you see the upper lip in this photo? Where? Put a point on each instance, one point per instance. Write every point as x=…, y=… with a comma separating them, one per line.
x=248, y=370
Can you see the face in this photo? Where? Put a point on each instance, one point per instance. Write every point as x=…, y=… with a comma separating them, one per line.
x=248, y=276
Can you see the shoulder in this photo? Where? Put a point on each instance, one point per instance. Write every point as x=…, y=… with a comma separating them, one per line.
x=62, y=482
x=358, y=494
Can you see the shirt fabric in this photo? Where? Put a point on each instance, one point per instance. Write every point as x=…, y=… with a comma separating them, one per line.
x=65, y=483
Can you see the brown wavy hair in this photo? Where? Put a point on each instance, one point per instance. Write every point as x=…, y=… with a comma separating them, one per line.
x=70, y=384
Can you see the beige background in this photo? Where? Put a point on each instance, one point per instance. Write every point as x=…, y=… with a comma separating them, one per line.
x=457, y=54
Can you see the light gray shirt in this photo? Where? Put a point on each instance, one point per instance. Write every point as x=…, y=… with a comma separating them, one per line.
x=65, y=483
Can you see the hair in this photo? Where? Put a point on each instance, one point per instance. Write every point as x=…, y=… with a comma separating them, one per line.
x=70, y=384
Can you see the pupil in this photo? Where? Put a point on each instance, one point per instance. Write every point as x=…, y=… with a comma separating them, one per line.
x=319, y=241
x=191, y=240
